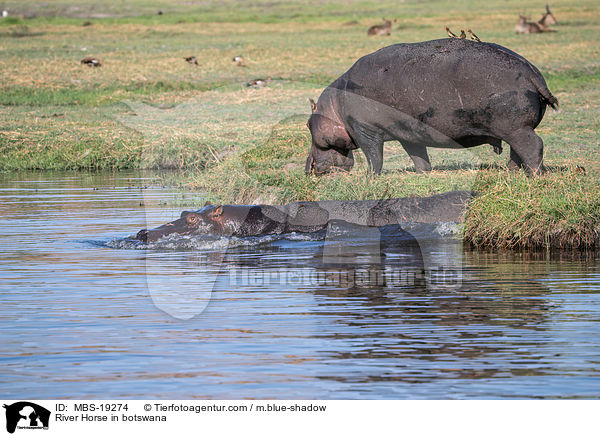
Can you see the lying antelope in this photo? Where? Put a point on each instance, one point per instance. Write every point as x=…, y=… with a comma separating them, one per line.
x=381, y=29
x=548, y=18
x=524, y=26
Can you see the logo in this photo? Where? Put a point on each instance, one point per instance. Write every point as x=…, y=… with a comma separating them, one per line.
x=26, y=415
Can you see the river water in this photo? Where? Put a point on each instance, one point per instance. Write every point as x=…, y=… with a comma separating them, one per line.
x=348, y=313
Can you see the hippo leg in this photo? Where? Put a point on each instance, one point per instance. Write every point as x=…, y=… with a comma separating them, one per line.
x=515, y=163
x=497, y=146
x=370, y=141
x=419, y=156
x=529, y=147
x=374, y=152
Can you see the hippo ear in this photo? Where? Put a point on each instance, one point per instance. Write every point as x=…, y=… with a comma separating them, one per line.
x=218, y=211
x=313, y=105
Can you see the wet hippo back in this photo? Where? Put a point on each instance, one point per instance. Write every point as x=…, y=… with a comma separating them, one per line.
x=265, y=219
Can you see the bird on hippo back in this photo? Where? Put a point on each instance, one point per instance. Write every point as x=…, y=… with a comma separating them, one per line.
x=447, y=93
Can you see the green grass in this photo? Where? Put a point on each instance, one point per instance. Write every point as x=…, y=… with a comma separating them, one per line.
x=560, y=210
x=95, y=96
x=147, y=108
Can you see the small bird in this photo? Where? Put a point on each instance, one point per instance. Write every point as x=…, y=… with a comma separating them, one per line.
x=473, y=36
x=86, y=23
x=191, y=60
x=463, y=35
x=239, y=61
x=580, y=170
x=258, y=83
x=450, y=34
x=4, y=13
x=91, y=61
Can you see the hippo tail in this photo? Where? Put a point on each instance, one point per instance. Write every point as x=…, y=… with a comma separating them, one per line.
x=545, y=93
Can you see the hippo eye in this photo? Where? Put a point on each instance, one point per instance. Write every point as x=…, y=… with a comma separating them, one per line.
x=192, y=218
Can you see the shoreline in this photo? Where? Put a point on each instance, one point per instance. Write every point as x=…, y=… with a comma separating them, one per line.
x=146, y=107
x=502, y=211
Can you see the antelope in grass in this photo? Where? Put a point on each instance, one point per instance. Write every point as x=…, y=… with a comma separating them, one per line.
x=524, y=26
x=548, y=18
x=381, y=29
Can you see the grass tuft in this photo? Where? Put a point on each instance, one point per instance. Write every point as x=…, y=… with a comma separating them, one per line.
x=557, y=210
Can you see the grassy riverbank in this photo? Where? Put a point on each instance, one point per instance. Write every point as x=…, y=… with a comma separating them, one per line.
x=147, y=108
x=561, y=210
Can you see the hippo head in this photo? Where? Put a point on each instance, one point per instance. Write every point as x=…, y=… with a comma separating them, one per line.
x=204, y=221
x=331, y=145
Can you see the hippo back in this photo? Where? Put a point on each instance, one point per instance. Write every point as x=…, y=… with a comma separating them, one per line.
x=441, y=81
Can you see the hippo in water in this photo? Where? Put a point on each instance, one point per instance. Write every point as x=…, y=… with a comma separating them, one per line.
x=238, y=220
x=312, y=216
x=447, y=93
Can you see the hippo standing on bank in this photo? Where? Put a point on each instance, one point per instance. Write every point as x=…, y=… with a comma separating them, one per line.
x=447, y=93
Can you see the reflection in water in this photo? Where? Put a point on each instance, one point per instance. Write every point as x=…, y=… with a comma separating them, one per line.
x=350, y=312
x=403, y=323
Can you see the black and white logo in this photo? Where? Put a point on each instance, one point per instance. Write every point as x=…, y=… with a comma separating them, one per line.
x=26, y=415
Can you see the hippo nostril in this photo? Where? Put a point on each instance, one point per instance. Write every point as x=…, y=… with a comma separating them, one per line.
x=142, y=235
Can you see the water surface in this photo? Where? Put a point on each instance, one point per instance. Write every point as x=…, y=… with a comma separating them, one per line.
x=86, y=313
